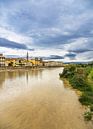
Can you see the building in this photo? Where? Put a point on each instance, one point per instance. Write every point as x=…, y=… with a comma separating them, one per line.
x=2, y=60
x=53, y=64
x=17, y=62
x=36, y=61
x=27, y=56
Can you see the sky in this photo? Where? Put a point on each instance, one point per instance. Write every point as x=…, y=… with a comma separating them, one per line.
x=52, y=29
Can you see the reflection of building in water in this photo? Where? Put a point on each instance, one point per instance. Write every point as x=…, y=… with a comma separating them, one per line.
x=40, y=73
x=2, y=78
x=37, y=73
x=27, y=74
x=2, y=60
x=12, y=75
x=20, y=73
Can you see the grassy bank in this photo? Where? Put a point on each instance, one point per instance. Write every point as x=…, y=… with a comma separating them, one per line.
x=81, y=77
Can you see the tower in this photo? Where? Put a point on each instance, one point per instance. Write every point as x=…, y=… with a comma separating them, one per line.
x=27, y=56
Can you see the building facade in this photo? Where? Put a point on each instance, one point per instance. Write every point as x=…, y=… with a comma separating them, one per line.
x=53, y=64
x=2, y=60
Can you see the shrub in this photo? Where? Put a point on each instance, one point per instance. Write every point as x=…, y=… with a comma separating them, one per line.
x=78, y=77
x=68, y=72
x=91, y=74
x=91, y=108
x=78, y=82
x=65, y=73
x=87, y=70
x=88, y=116
x=86, y=100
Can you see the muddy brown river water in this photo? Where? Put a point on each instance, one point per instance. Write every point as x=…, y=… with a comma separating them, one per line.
x=38, y=99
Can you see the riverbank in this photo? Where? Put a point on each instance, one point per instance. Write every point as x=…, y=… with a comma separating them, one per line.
x=80, y=78
x=26, y=68
x=68, y=85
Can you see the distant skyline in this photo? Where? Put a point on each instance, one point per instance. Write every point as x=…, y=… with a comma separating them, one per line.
x=53, y=29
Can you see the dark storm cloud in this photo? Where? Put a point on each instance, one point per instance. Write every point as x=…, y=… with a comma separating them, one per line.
x=10, y=44
x=80, y=51
x=71, y=56
x=56, y=57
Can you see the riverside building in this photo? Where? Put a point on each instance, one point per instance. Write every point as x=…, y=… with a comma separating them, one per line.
x=2, y=60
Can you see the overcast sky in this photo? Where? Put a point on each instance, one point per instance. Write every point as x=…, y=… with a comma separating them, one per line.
x=56, y=29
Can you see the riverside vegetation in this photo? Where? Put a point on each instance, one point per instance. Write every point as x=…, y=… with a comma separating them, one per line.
x=81, y=78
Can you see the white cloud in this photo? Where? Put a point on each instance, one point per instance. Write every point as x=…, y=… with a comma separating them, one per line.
x=81, y=43
x=45, y=23
x=12, y=36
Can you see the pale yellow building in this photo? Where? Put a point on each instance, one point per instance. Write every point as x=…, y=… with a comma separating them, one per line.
x=2, y=60
x=36, y=62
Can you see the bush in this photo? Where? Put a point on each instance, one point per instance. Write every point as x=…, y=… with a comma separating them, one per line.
x=65, y=73
x=78, y=82
x=78, y=77
x=91, y=108
x=87, y=70
x=68, y=72
x=88, y=116
x=86, y=100
x=89, y=93
x=91, y=74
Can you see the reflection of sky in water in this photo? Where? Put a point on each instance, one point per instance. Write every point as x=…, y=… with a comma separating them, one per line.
x=14, y=83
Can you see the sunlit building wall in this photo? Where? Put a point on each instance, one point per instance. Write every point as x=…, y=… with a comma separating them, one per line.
x=2, y=60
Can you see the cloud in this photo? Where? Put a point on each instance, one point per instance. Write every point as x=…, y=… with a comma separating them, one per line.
x=13, y=36
x=13, y=45
x=71, y=55
x=64, y=25
x=86, y=56
x=56, y=57
x=80, y=50
x=81, y=44
x=52, y=57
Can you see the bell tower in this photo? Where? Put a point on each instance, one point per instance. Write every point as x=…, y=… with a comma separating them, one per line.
x=27, y=57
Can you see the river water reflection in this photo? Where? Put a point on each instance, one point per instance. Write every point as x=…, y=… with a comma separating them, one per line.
x=38, y=99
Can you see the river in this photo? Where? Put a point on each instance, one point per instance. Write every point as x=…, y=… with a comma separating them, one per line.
x=38, y=99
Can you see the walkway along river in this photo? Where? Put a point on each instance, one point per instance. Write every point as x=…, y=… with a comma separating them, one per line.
x=38, y=99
